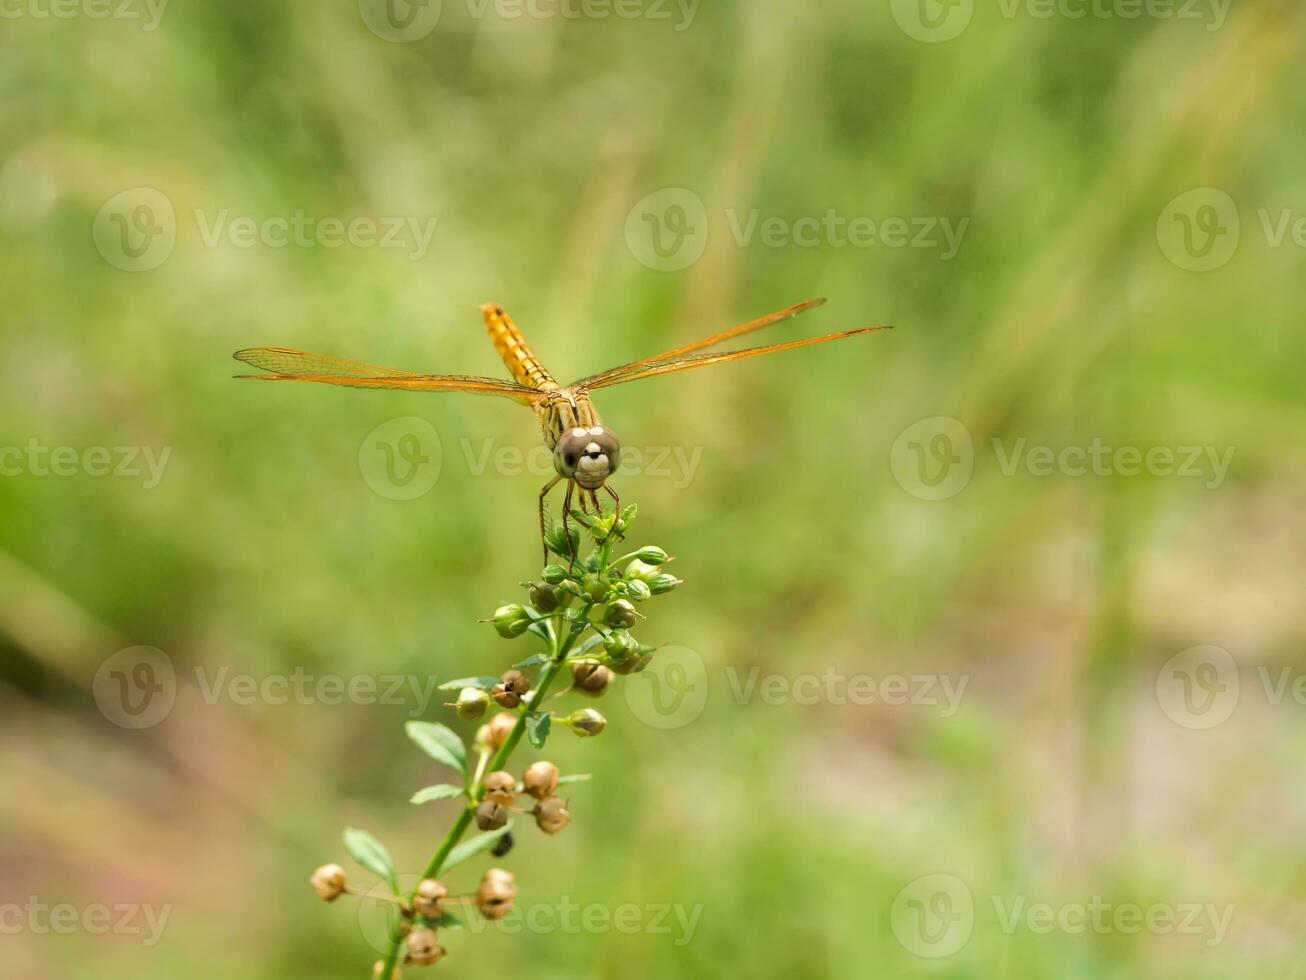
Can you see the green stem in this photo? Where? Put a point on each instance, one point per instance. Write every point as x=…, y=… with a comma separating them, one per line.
x=451, y=839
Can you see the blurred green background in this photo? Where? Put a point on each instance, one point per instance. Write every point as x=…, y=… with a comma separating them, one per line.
x=1128, y=189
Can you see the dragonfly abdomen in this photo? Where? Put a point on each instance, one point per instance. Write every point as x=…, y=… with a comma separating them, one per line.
x=516, y=353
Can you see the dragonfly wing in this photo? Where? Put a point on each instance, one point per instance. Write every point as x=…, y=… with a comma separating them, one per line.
x=287, y=364
x=703, y=360
x=679, y=352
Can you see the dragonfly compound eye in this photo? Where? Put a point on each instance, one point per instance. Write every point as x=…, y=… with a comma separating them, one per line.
x=588, y=456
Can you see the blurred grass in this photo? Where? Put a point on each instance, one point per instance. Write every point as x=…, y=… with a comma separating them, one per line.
x=794, y=827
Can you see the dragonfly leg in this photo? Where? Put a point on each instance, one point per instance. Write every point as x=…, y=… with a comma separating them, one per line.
x=598, y=505
x=566, y=529
x=543, y=517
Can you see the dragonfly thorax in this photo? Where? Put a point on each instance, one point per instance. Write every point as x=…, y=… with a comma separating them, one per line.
x=587, y=456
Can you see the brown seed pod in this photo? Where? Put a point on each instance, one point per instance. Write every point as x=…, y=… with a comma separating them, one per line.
x=423, y=947
x=505, y=698
x=491, y=815
x=500, y=727
x=590, y=677
x=429, y=899
x=501, y=787
x=494, y=896
x=552, y=816
x=540, y=779
x=329, y=882
x=516, y=681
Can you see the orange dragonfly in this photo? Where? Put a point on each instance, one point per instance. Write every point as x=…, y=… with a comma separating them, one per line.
x=585, y=452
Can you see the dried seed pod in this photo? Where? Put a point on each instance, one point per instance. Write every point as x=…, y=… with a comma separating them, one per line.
x=494, y=896
x=503, y=845
x=590, y=677
x=423, y=947
x=501, y=787
x=552, y=816
x=505, y=698
x=329, y=882
x=540, y=779
x=500, y=727
x=516, y=681
x=429, y=899
x=491, y=815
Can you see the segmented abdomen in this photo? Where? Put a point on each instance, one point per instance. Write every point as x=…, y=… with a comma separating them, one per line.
x=512, y=347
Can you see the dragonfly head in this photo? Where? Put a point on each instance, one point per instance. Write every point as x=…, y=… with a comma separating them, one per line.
x=588, y=456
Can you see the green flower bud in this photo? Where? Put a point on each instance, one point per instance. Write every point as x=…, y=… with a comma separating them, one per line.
x=637, y=570
x=620, y=613
x=638, y=590
x=544, y=597
x=511, y=621
x=663, y=583
x=651, y=555
x=595, y=588
x=471, y=703
x=563, y=543
x=555, y=574
x=620, y=646
x=633, y=665
x=585, y=722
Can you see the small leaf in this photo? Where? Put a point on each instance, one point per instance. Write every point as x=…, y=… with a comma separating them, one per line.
x=580, y=777
x=450, y=921
x=533, y=660
x=369, y=852
x=440, y=791
x=439, y=743
x=537, y=729
x=471, y=848
x=480, y=683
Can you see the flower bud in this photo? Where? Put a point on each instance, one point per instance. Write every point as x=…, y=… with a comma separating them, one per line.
x=494, y=896
x=633, y=665
x=505, y=698
x=565, y=543
x=511, y=621
x=595, y=588
x=544, y=597
x=620, y=613
x=329, y=882
x=500, y=727
x=554, y=574
x=471, y=703
x=540, y=779
x=585, y=722
x=501, y=787
x=619, y=646
x=502, y=846
x=552, y=815
x=651, y=555
x=429, y=899
x=491, y=815
x=423, y=948
x=639, y=571
x=638, y=590
x=590, y=677
x=660, y=584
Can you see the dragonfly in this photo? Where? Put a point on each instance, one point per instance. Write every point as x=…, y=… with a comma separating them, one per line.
x=585, y=452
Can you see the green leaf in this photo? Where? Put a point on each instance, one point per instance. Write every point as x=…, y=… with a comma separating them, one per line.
x=369, y=852
x=439, y=743
x=480, y=683
x=537, y=729
x=440, y=791
x=580, y=777
x=450, y=921
x=533, y=660
x=471, y=848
